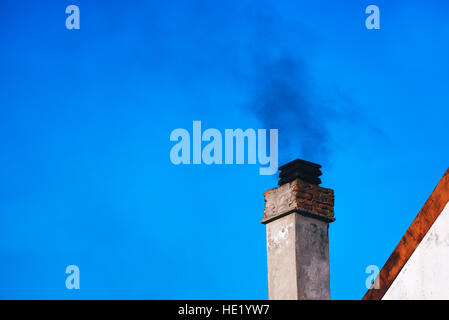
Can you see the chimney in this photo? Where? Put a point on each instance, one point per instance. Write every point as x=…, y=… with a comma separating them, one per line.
x=297, y=217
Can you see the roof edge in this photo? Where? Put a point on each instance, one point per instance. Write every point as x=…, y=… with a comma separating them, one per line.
x=411, y=239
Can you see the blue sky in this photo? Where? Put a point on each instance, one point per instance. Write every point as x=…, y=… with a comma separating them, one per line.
x=86, y=115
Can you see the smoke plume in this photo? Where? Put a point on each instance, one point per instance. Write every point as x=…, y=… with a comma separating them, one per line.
x=284, y=99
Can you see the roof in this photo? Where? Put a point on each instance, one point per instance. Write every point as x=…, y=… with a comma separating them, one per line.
x=411, y=239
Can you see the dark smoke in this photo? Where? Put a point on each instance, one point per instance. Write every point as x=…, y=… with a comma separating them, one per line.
x=262, y=49
x=284, y=100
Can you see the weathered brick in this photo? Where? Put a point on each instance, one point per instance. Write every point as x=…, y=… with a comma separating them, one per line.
x=299, y=194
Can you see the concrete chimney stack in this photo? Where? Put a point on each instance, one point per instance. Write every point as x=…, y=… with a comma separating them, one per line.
x=297, y=217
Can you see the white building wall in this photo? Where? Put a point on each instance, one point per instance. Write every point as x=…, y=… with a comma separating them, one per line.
x=426, y=274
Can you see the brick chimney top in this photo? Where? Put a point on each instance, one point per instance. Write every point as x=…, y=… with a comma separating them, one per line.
x=300, y=169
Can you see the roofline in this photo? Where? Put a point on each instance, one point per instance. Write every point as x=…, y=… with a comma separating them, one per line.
x=411, y=239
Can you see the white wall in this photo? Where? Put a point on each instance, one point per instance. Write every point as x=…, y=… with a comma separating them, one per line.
x=426, y=273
